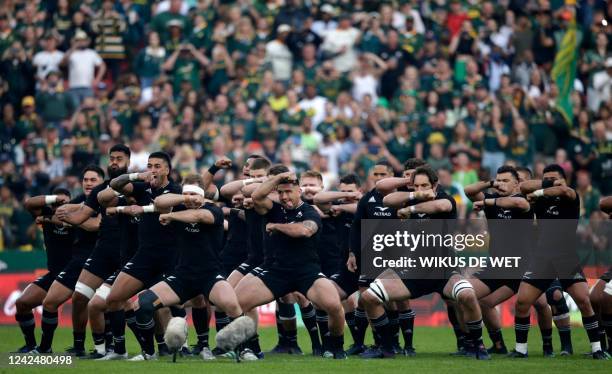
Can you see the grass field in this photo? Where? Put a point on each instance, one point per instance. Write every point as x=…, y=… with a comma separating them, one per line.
x=432, y=344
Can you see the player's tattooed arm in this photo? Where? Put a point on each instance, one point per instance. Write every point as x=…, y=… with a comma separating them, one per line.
x=123, y=183
x=389, y=185
x=304, y=229
x=474, y=191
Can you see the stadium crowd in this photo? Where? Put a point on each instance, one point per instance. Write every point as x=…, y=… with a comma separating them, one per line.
x=330, y=86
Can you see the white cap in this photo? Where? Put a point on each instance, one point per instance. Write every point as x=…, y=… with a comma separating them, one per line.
x=327, y=8
x=283, y=28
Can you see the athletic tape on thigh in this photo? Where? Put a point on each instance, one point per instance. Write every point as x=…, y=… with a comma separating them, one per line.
x=459, y=287
x=608, y=288
x=560, y=316
x=84, y=290
x=378, y=290
x=103, y=291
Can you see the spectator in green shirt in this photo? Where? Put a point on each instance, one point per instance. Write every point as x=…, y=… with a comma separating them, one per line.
x=149, y=61
x=589, y=195
x=52, y=103
x=186, y=63
x=161, y=22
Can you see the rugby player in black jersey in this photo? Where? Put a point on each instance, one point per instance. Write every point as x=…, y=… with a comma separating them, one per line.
x=496, y=286
x=349, y=281
x=399, y=312
x=198, y=226
x=342, y=205
x=425, y=203
x=601, y=293
x=103, y=260
x=292, y=228
x=554, y=294
x=128, y=219
x=63, y=286
x=557, y=208
x=258, y=168
x=156, y=243
x=58, y=238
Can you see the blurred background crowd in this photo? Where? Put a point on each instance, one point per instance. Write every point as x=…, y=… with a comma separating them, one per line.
x=329, y=85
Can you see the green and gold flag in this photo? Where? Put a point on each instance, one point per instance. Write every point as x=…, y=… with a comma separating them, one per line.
x=564, y=71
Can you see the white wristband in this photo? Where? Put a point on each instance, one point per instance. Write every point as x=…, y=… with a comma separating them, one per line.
x=412, y=209
x=411, y=196
x=538, y=193
x=148, y=208
x=50, y=199
x=120, y=209
x=133, y=177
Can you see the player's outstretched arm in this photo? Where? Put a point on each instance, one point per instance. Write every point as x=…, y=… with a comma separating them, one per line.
x=509, y=202
x=230, y=189
x=170, y=200
x=389, y=185
x=188, y=216
x=474, y=191
x=304, y=229
x=35, y=204
x=427, y=207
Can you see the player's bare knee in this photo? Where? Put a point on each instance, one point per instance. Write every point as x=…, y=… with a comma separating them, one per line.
x=50, y=305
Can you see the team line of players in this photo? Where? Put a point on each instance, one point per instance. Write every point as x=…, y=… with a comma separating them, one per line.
x=136, y=248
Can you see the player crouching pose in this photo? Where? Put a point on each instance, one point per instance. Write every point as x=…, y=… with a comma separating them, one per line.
x=198, y=225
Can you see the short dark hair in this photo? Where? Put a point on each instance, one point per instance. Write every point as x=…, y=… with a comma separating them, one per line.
x=277, y=169
x=384, y=163
x=95, y=168
x=524, y=169
x=120, y=148
x=554, y=168
x=413, y=163
x=162, y=155
x=350, y=179
x=508, y=169
x=253, y=156
x=60, y=191
x=260, y=163
x=427, y=171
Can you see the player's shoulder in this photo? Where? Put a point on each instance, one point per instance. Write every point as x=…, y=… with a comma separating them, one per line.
x=173, y=187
